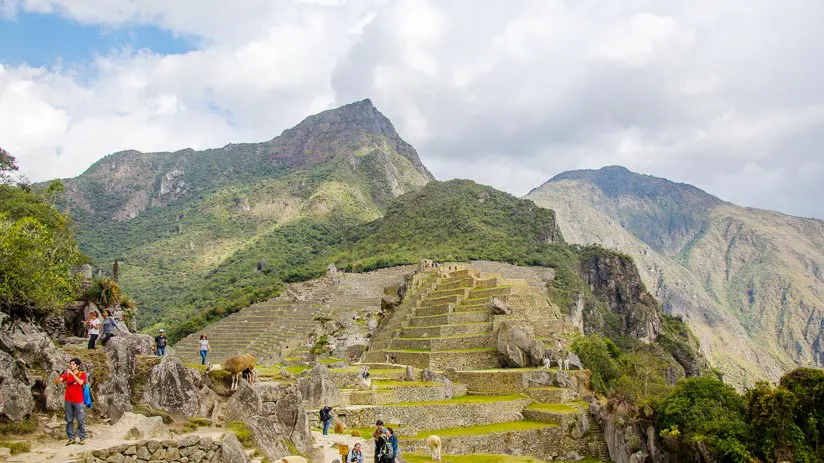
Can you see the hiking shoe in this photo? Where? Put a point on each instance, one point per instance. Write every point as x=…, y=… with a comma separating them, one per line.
x=82, y=442
x=70, y=442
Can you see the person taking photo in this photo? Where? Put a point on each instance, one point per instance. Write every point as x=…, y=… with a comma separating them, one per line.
x=73, y=403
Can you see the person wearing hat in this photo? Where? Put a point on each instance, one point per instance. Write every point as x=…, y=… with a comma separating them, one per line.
x=160, y=343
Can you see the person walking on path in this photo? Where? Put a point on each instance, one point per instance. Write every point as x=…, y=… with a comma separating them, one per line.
x=355, y=455
x=73, y=403
x=160, y=343
x=108, y=327
x=94, y=328
x=203, y=348
x=326, y=418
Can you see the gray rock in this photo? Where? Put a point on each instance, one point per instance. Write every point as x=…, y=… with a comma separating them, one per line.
x=639, y=457
x=574, y=362
x=266, y=437
x=86, y=271
x=5, y=452
x=539, y=378
x=15, y=392
x=409, y=375
x=173, y=388
x=318, y=389
x=518, y=349
x=581, y=427
x=143, y=453
x=499, y=307
x=563, y=379
x=573, y=456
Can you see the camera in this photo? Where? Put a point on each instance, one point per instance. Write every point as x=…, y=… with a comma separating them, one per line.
x=60, y=372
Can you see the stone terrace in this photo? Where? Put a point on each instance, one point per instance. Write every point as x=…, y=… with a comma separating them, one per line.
x=264, y=328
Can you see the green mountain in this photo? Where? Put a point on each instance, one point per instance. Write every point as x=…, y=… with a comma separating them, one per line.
x=749, y=282
x=221, y=227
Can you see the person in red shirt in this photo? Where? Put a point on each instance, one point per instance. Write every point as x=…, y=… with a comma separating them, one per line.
x=75, y=409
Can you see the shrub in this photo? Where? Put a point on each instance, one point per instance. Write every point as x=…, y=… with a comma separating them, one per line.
x=16, y=447
x=242, y=432
x=599, y=355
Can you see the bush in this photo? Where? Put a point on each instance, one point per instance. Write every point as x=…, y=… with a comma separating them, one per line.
x=599, y=354
x=242, y=432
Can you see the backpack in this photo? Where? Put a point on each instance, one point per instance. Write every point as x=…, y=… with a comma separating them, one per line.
x=87, y=395
x=324, y=414
x=387, y=452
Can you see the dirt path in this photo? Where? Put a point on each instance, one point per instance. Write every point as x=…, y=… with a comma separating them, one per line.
x=331, y=453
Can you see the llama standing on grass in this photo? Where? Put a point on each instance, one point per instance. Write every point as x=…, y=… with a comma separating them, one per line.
x=236, y=366
x=434, y=444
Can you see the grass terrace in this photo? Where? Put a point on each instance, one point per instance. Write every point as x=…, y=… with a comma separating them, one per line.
x=391, y=384
x=572, y=407
x=467, y=399
x=512, y=426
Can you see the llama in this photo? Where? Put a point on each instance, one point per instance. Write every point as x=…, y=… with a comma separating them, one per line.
x=236, y=366
x=434, y=444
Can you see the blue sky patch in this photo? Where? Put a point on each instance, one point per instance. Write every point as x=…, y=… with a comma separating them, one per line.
x=43, y=39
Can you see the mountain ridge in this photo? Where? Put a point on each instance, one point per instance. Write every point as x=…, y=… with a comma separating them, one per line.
x=748, y=281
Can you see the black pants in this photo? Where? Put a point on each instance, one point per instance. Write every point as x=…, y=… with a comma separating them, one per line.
x=92, y=340
x=106, y=337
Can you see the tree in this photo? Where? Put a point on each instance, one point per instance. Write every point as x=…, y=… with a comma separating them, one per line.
x=771, y=412
x=8, y=169
x=54, y=189
x=35, y=268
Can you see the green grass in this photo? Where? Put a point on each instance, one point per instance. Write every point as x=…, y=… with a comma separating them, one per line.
x=331, y=361
x=243, y=433
x=27, y=426
x=481, y=458
x=16, y=447
x=511, y=426
x=467, y=399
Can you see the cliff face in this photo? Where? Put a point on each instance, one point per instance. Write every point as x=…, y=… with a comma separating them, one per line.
x=748, y=282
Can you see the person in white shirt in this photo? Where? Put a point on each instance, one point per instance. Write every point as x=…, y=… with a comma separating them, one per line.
x=203, y=348
x=94, y=328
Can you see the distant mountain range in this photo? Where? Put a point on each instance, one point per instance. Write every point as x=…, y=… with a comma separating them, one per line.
x=198, y=233
x=749, y=282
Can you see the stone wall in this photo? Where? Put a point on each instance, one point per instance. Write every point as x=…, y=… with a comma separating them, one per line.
x=509, y=381
x=191, y=449
x=548, y=443
x=435, y=416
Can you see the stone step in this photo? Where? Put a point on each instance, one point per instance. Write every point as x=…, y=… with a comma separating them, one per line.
x=490, y=292
x=462, y=292
x=439, y=309
x=467, y=282
x=384, y=395
x=441, y=360
x=487, y=283
x=431, y=302
x=462, y=411
x=551, y=394
x=509, y=380
x=446, y=330
x=561, y=414
x=452, y=318
x=451, y=343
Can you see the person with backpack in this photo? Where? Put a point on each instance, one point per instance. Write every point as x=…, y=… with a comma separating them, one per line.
x=355, y=455
x=393, y=441
x=326, y=418
x=74, y=401
x=385, y=451
x=160, y=343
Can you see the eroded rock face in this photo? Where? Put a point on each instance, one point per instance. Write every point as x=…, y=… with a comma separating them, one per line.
x=114, y=394
x=17, y=401
x=232, y=451
x=317, y=388
x=518, y=349
x=273, y=412
x=615, y=279
x=173, y=388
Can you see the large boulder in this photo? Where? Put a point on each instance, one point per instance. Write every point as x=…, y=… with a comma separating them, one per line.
x=16, y=401
x=173, y=388
x=517, y=347
x=318, y=389
x=114, y=394
x=231, y=450
x=135, y=426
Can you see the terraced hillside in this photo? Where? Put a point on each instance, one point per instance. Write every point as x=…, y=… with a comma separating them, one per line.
x=277, y=328
x=436, y=370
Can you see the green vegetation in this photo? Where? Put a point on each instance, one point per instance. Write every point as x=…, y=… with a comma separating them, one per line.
x=556, y=408
x=768, y=423
x=37, y=254
x=16, y=447
x=512, y=426
x=242, y=432
x=27, y=426
x=467, y=399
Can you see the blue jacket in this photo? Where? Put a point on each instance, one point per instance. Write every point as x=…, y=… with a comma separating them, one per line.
x=354, y=457
x=393, y=439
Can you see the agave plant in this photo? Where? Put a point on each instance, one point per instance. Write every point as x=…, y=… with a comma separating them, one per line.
x=104, y=292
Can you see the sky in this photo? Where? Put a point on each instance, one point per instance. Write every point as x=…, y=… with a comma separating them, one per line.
x=727, y=96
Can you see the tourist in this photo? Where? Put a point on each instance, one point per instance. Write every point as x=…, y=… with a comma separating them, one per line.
x=355, y=455
x=393, y=441
x=378, y=436
x=326, y=418
x=108, y=326
x=384, y=451
x=160, y=343
x=203, y=348
x=73, y=401
x=94, y=328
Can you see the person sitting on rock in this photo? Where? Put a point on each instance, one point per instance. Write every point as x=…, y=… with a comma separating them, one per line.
x=355, y=455
x=109, y=327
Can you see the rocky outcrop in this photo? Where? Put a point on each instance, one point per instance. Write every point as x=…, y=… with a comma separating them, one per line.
x=114, y=394
x=614, y=278
x=173, y=388
x=273, y=413
x=628, y=438
x=517, y=347
x=16, y=401
x=317, y=388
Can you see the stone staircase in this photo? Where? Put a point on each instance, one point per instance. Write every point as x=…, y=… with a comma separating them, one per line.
x=446, y=325
x=281, y=327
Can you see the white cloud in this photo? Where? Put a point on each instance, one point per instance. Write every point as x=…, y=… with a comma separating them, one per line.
x=506, y=93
